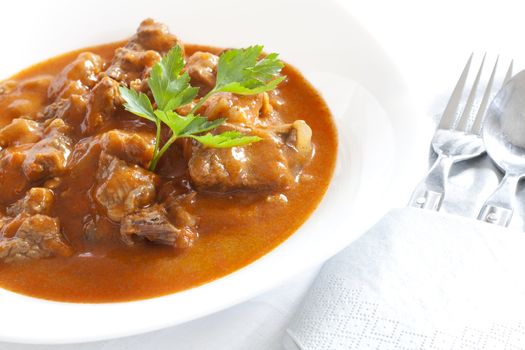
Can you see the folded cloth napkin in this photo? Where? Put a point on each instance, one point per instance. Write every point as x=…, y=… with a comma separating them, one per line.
x=418, y=280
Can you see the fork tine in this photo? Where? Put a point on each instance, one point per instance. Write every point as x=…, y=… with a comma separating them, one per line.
x=480, y=116
x=465, y=115
x=449, y=115
x=509, y=73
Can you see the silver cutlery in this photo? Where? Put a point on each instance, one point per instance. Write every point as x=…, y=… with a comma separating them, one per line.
x=504, y=136
x=456, y=138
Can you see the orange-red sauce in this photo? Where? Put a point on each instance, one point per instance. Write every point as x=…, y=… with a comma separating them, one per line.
x=234, y=231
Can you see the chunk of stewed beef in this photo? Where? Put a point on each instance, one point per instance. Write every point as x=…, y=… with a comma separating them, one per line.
x=179, y=207
x=20, y=131
x=268, y=165
x=257, y=167
x=38, y=200
x=14, y=183
x=128, y=146
x=72, y=110
x=134, y=61
x=47, y=158
x=251, y=111
x=37, y=236
x=123, y=188
x=20, y=166
x=102, y=103
x=202, y=69
x=78, y=77
x=153, y=225
x=24, y=98
x=152, y=35
x=130, y=65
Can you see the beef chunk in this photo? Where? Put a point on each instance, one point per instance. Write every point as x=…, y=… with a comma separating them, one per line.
x=239, y=109
x=20, y=131
x=269, y=165
x=102, y=103
x=152, y=35
x=12, y=178
x=72, y=110
x=37, y=200
x=38, y=236
x=130, y=65
x=77, y=77
x=152, y=224
x=202, y=69
x=8, y=87
x=145, y=48
x=128, y=146
x=54, y=127
x=47, y=158
x=260, y=166
x=179, y=206
x=123, y=188
x=21, y=165
x=23, y=99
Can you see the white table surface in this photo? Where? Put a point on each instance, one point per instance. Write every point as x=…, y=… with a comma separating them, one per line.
x=429, y=42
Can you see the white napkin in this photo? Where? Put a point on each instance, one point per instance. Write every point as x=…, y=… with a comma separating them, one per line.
x=418, y=280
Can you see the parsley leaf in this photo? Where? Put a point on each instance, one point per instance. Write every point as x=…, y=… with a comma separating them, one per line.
x=226, y=140
x=201, y=124
x=137, y=103
x=239, y=71
x=171, y=89
x=188, y=125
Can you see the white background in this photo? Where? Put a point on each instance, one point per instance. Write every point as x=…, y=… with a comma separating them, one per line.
x=429, y=41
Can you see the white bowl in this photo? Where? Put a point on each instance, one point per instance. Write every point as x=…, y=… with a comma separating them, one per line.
x=378, y=140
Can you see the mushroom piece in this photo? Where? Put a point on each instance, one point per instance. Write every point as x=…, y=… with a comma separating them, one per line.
x=300, y=137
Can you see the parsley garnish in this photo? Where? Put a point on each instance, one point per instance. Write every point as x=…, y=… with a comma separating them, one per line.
x=239, y=71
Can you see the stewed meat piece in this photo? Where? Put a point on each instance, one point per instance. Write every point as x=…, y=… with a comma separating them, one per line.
x=260, y=166
x=38, y=200
x=252, y=110
x=123, y=188
x=24, y=99
x=14, y=183
x=202, y=69
x=78, y=77
x=132, y=66
x=24, y=164
x=20, y=131
x=128, y=146
x=72, y=110
x=101, y=104
x=47, y=158
x=153, y=224
x=145, y=48
x=268, y=165
x=38, y=236
x=152, y=35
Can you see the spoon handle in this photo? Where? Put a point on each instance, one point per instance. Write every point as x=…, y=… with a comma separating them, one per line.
x=499, y=206
x=430, y=192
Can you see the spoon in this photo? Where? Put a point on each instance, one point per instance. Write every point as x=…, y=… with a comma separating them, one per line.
x=504, y=138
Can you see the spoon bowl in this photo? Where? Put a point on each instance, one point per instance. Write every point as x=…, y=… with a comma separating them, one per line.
x=504, y=137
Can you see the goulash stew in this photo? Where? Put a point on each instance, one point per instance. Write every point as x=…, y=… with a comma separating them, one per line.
x=141, y=168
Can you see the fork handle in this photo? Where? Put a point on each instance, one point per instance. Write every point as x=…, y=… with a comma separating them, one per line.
x=499, y=206
x=430, y=192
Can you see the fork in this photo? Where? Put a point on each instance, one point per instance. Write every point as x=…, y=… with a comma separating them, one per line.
x=455, y=140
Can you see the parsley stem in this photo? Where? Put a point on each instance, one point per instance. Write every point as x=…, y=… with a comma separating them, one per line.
x=156, y=147
x=201, y=101
x=161, y=152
